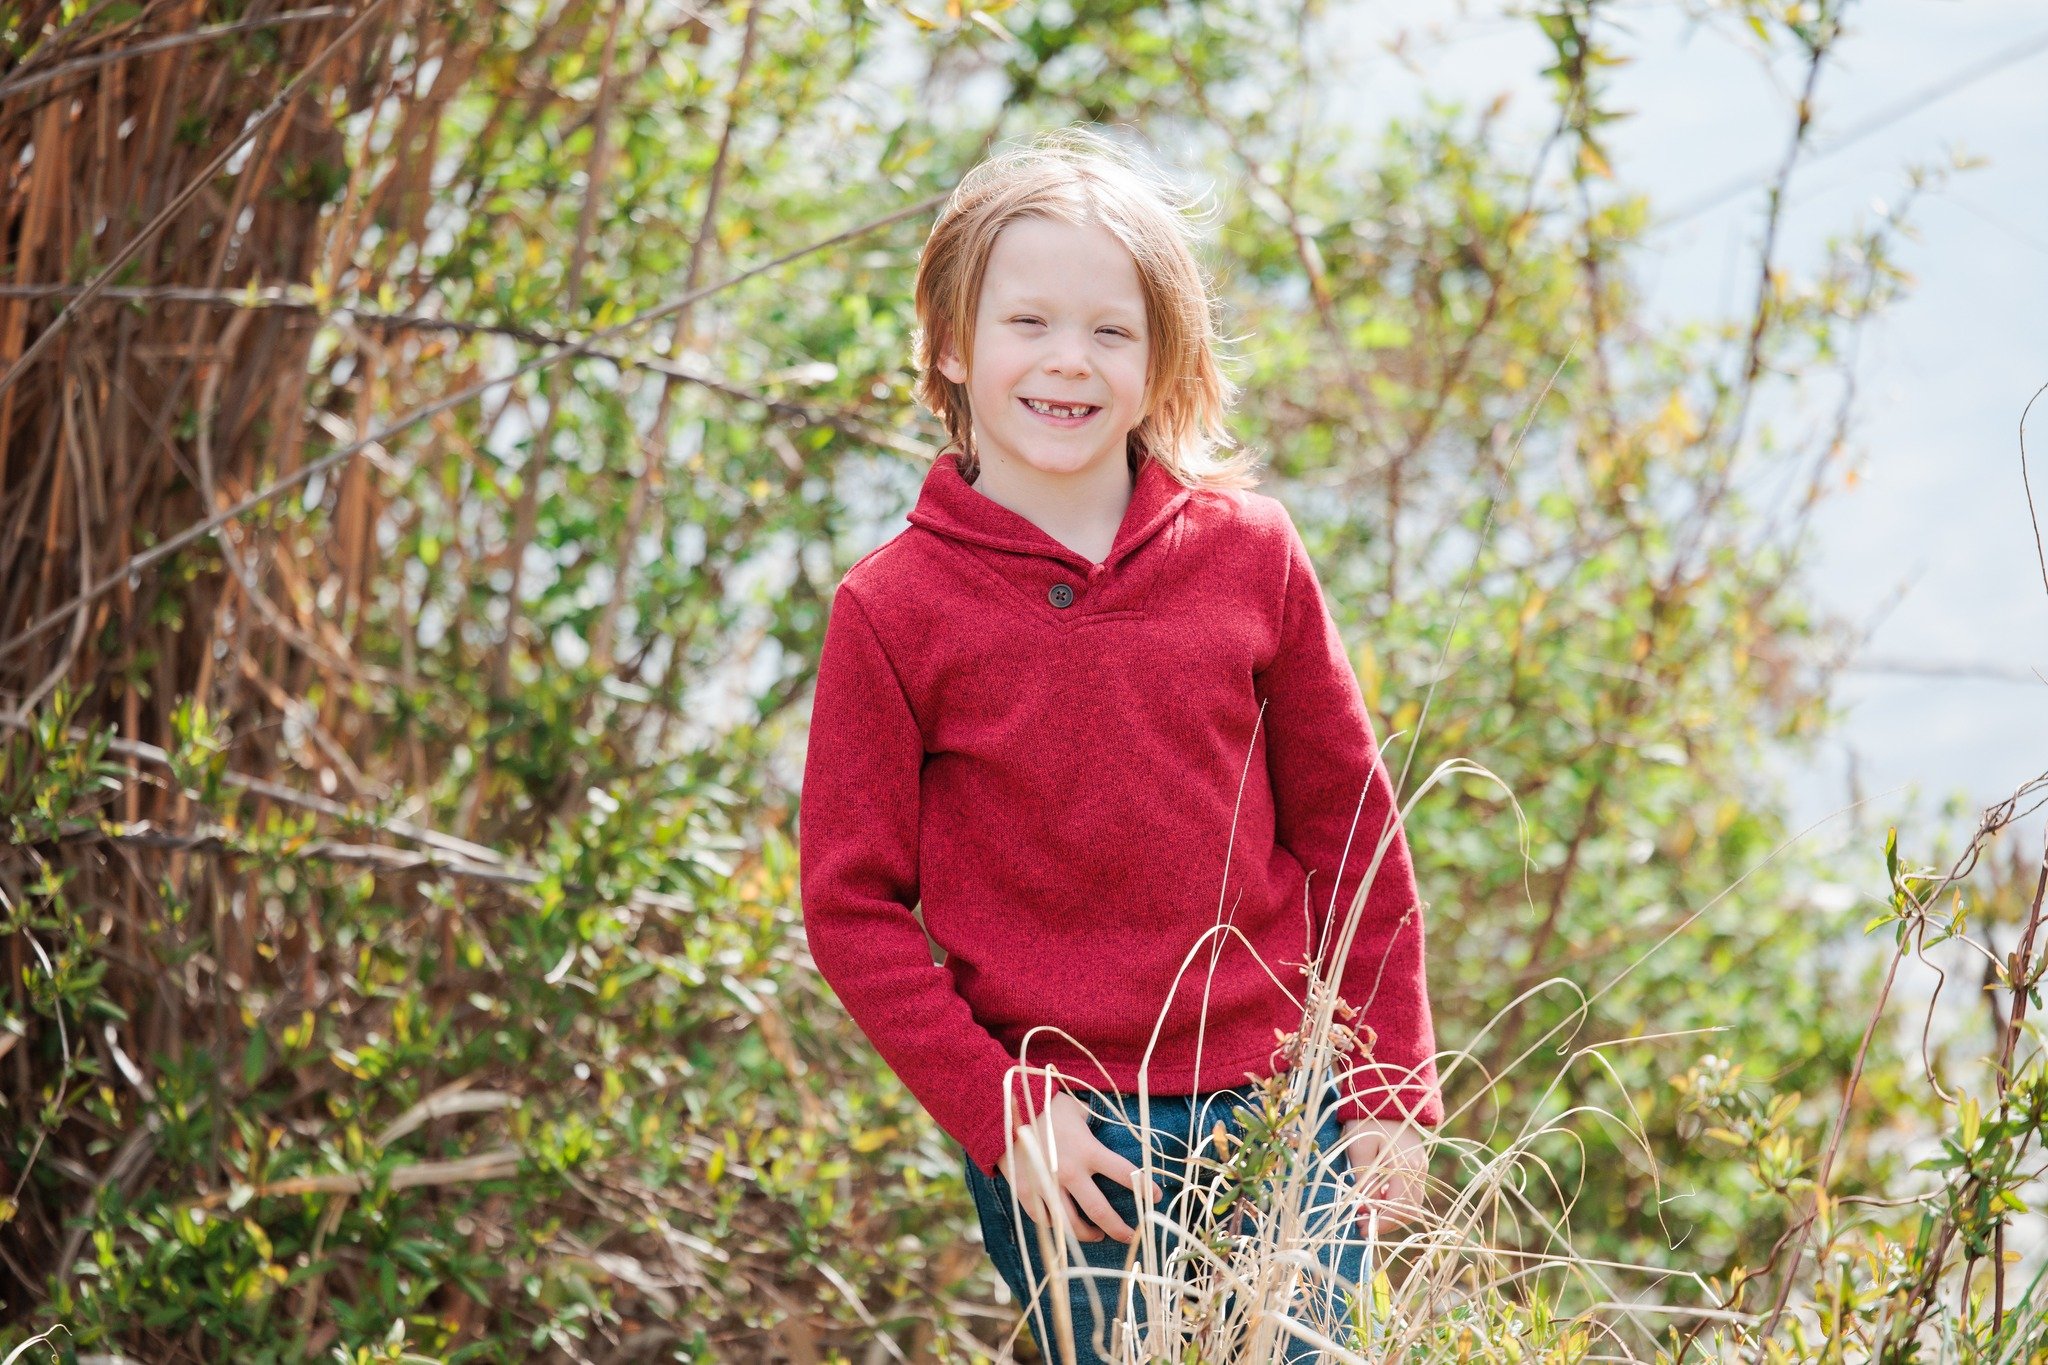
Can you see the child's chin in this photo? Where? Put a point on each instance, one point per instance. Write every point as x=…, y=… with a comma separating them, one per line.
x=1065, y=461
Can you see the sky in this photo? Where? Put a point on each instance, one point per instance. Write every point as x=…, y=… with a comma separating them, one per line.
x=1932, y=551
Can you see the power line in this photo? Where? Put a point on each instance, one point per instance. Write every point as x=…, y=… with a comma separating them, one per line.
x=2025, y=239
x=1946, y=668
x=1885, y=117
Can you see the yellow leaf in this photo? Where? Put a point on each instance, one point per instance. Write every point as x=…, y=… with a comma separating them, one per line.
x=1677, y=421
x=1369, y=677
x=1518, y=227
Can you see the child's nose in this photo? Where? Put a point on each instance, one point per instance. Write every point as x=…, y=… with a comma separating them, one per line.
x=1068, y=360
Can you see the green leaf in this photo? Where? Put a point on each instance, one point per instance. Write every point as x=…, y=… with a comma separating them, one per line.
x=255, y=1059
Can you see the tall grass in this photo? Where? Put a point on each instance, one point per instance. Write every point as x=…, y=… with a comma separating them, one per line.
x=1854, y=1278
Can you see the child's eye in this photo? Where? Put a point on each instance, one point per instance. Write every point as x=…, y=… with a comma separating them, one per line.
x=1024, y=319
x=1114, y=331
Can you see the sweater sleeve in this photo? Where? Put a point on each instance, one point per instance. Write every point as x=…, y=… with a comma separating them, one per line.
x=1334, y=806
x=857, y=853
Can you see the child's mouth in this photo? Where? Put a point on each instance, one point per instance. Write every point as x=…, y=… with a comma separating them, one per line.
x=1059, y=414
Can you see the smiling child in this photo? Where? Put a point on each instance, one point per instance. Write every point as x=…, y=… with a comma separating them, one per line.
x=1089, y=712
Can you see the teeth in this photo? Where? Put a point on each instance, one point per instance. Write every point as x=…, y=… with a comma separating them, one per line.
x=1057, y=409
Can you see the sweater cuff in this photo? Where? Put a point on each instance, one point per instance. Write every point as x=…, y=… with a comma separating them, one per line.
x=986, y=1143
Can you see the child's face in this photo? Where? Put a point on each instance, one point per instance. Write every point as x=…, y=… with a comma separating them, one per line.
x=1062, y=319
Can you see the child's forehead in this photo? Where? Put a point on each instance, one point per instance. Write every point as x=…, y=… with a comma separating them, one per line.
x=1037, y=234
x=1055, y=274
x=1030, y=296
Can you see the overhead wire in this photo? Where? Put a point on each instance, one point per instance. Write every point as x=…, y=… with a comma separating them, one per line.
x=1882, y=118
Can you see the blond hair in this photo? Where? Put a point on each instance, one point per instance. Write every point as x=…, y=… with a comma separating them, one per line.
x=1081, y=177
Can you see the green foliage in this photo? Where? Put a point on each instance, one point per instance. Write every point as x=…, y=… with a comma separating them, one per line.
x=504, y=1045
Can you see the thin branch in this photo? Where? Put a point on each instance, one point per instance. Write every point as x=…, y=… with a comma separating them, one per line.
x=29, y=77
x=287, y=796
x=526, y=511
x=631, y=529
x=297, y=298
x=199, y=530
x=376, y=857
x=196, y=186
x=498, y=1164
x=2033, y=513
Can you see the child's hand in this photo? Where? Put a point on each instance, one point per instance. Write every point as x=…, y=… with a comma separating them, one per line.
x=1082, y=1157
x=1390, y=1161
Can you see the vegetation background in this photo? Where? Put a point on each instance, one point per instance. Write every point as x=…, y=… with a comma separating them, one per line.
x=429, y=438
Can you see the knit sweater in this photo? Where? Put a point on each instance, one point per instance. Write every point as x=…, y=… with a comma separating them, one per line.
x=1077, y=772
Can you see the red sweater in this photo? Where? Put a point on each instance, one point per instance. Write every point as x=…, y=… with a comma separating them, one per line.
x=1050, y=756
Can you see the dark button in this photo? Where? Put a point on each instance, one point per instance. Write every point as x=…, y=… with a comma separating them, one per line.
x=1060, y=595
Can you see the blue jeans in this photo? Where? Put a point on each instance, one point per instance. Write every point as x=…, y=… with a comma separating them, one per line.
x=1098, y=1292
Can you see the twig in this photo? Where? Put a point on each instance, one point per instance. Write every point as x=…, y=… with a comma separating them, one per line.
x=496, y=1164
x=405, y=829
x=193, y=189
x=378, y=857
x=30, y=76
x=172, y=544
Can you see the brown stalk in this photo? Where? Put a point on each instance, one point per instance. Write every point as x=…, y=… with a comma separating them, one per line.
x=646, y=482
x=31, y=74
x=524, y=515
x=198, y=183
x=199, y=530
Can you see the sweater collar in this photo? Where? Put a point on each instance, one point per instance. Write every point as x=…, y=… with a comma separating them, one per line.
x=950, y=506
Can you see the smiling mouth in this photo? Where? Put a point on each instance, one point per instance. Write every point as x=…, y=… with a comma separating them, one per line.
x=1061, y=411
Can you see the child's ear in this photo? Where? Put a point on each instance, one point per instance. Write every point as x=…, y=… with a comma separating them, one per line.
x=949, y=364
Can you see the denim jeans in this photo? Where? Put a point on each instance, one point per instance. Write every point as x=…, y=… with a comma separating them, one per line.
x=1099, y=1294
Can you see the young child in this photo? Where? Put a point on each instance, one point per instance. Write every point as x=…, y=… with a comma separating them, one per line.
x=1087, y=707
